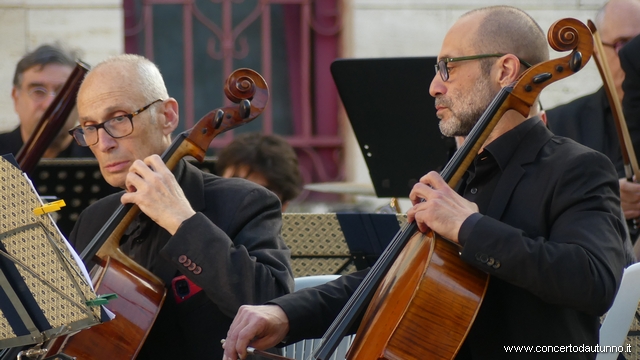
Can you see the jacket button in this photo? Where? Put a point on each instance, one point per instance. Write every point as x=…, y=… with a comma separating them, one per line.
x=198, y=270
x=182, y=259
x=491, y=261
x=192, y=266
x=187, y=263
x=482, y=257
x=496, y=265
x=474, y=191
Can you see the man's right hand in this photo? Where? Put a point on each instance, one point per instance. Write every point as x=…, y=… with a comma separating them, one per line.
x=260, y=327
x=630, y=199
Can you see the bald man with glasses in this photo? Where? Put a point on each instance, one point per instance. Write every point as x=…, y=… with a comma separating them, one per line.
x=217, y=239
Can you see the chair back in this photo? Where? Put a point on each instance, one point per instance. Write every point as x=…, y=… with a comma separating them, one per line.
x=615, y=326
x=304, y=349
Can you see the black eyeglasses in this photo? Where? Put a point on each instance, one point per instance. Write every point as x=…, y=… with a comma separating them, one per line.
x=618, y=45
x=117, y=127
x=441, y=65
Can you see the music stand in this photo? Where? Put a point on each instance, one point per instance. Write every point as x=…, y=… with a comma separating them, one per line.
x=367, y=235
x=393, y=118
x=44, y=292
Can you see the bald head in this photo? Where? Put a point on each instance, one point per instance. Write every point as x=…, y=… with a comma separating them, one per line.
x=126, y=89
x=135, y=71
x=509, y=30
x=618, y=19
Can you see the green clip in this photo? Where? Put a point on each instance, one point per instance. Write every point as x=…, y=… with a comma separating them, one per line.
x=101, y=300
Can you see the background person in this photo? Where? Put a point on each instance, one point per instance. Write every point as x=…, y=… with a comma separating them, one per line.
x=589, y=119
x=38, y=78
x=267, y=160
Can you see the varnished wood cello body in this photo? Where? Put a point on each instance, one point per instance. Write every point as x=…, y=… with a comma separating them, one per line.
x=422, y=298
x=140, y=293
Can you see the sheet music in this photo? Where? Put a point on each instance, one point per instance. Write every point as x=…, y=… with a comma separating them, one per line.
x=42, y=273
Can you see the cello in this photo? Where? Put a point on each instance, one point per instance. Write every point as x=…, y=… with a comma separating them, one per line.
x=141, y=293
x=420, y=279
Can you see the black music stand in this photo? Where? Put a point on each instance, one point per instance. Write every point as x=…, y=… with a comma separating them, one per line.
x=367, y=235
x=394, y=120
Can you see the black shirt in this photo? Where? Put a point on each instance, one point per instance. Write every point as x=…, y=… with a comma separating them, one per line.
x=481, y=178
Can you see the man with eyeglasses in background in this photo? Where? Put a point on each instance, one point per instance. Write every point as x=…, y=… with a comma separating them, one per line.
x=589, y=119
x=215, y=242
x=38, y=77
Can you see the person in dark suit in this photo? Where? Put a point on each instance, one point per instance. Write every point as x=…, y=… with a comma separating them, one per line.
x=629, y=63
x=537, y=212
x=38, y=77
x=589, y=119
x=220, y=235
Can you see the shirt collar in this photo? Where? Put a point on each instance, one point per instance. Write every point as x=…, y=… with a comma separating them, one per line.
x=503, y=148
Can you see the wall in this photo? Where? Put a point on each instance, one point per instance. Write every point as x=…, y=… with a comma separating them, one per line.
x=93, y=27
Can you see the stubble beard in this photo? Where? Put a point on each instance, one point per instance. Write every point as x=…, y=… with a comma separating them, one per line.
x=466, y=109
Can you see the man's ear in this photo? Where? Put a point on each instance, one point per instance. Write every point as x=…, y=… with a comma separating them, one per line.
x=171, y=115
x=543, y=116
x=508, y=69
x=14, y=96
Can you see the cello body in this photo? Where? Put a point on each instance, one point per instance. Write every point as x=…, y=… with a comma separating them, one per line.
x=428, y=284
x=140, y=297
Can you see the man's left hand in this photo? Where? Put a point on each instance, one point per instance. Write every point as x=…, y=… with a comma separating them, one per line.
x=443, y=210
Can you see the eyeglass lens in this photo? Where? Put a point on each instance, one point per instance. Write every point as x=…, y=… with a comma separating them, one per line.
x=117, y=127
x=441, y=67
x=41, y=93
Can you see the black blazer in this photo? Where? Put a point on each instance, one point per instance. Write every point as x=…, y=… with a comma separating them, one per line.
x=555, y=226
x=234, y=239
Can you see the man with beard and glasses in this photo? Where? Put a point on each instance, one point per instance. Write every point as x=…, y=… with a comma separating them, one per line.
x=537, y=212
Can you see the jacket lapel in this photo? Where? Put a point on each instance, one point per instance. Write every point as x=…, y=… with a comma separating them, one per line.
x=525, y=154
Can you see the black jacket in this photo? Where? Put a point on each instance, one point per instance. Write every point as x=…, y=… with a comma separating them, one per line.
x=234, y=239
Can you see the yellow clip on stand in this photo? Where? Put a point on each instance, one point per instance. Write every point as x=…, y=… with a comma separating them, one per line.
x=49, y=207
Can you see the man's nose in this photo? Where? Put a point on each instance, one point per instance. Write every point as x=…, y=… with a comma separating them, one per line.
x=437, y=86
x=105, y=141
